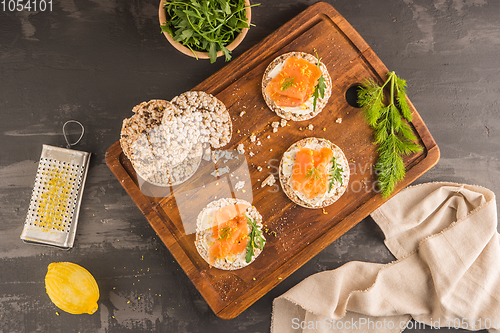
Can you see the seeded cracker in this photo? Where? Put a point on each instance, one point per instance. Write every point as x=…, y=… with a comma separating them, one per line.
x=204, y=235
x=285, y=174
x=282, y=112
x=164, y=140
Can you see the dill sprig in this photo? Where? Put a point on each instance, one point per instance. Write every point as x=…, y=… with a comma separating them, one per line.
x=225, y=233
x=393, y=135
x=334, y=174
x=287, y=83
x=256, y=239
x=314, y=173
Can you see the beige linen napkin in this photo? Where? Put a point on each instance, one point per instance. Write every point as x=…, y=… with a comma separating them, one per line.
x=445, y=238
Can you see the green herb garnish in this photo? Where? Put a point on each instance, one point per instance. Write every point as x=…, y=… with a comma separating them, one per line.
x=287, y=83
x=393, y=135
x=206, y=26
x=319, y=89
x=313, y=172
x=255, y=238
x=334, y=174
x=225, y=233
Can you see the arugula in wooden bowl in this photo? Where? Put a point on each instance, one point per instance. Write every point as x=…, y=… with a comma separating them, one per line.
x=205, y=29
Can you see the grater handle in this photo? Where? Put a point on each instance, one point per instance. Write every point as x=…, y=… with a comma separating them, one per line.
x=68, y=144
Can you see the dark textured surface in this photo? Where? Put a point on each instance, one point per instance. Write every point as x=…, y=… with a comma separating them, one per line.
x=93, y=60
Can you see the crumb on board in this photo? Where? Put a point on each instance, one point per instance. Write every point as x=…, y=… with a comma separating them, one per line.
x=242, y=113
x=259, y=168
x=339, y=120
x=253, y=138
x=275, y=126
x=241, y=148
x=269, y=181
x=310, y=127
x=283, y=122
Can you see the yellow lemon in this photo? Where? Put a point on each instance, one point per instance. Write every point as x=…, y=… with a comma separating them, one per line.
x=71, y=288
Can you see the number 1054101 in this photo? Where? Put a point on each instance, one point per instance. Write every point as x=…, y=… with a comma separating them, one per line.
x=26, y=5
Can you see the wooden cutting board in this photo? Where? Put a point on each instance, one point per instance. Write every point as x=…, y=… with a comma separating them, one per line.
x=294, y=234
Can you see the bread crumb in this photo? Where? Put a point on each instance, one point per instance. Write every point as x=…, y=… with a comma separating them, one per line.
x=259, y=168
x=339, y=120
x=253, y=138
x=241, y=148
x=258, y=143
x=242, y=113
x=310, y=127
x=283, y=122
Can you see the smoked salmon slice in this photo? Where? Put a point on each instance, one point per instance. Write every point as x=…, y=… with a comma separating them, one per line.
x=310, y=171
x=295, y=83
x=230, y=231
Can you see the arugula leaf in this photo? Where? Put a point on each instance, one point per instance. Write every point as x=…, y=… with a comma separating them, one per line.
x=319, y=90
x=255, y=237
x=335, y=174
x=393, y=134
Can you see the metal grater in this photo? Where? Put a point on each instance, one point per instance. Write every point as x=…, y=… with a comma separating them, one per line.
x=57, y=194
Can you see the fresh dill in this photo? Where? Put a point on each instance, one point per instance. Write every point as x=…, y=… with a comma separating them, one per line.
x=334, y=174
x=256, y=239
x=287, y=83
x=393, y=134
x=225, y=233
x=313, y=172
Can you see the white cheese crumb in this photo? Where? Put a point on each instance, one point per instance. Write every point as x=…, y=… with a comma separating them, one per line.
x=239, y=185
x=269, y=181
x=241, y=148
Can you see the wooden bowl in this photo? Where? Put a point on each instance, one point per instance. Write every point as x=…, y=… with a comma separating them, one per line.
x=204, y=55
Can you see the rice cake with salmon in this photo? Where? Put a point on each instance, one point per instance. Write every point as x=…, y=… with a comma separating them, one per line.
x=223, y=233
x=289, y=82
x=314, y=173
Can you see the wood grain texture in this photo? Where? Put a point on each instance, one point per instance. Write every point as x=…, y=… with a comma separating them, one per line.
x=294, y=234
